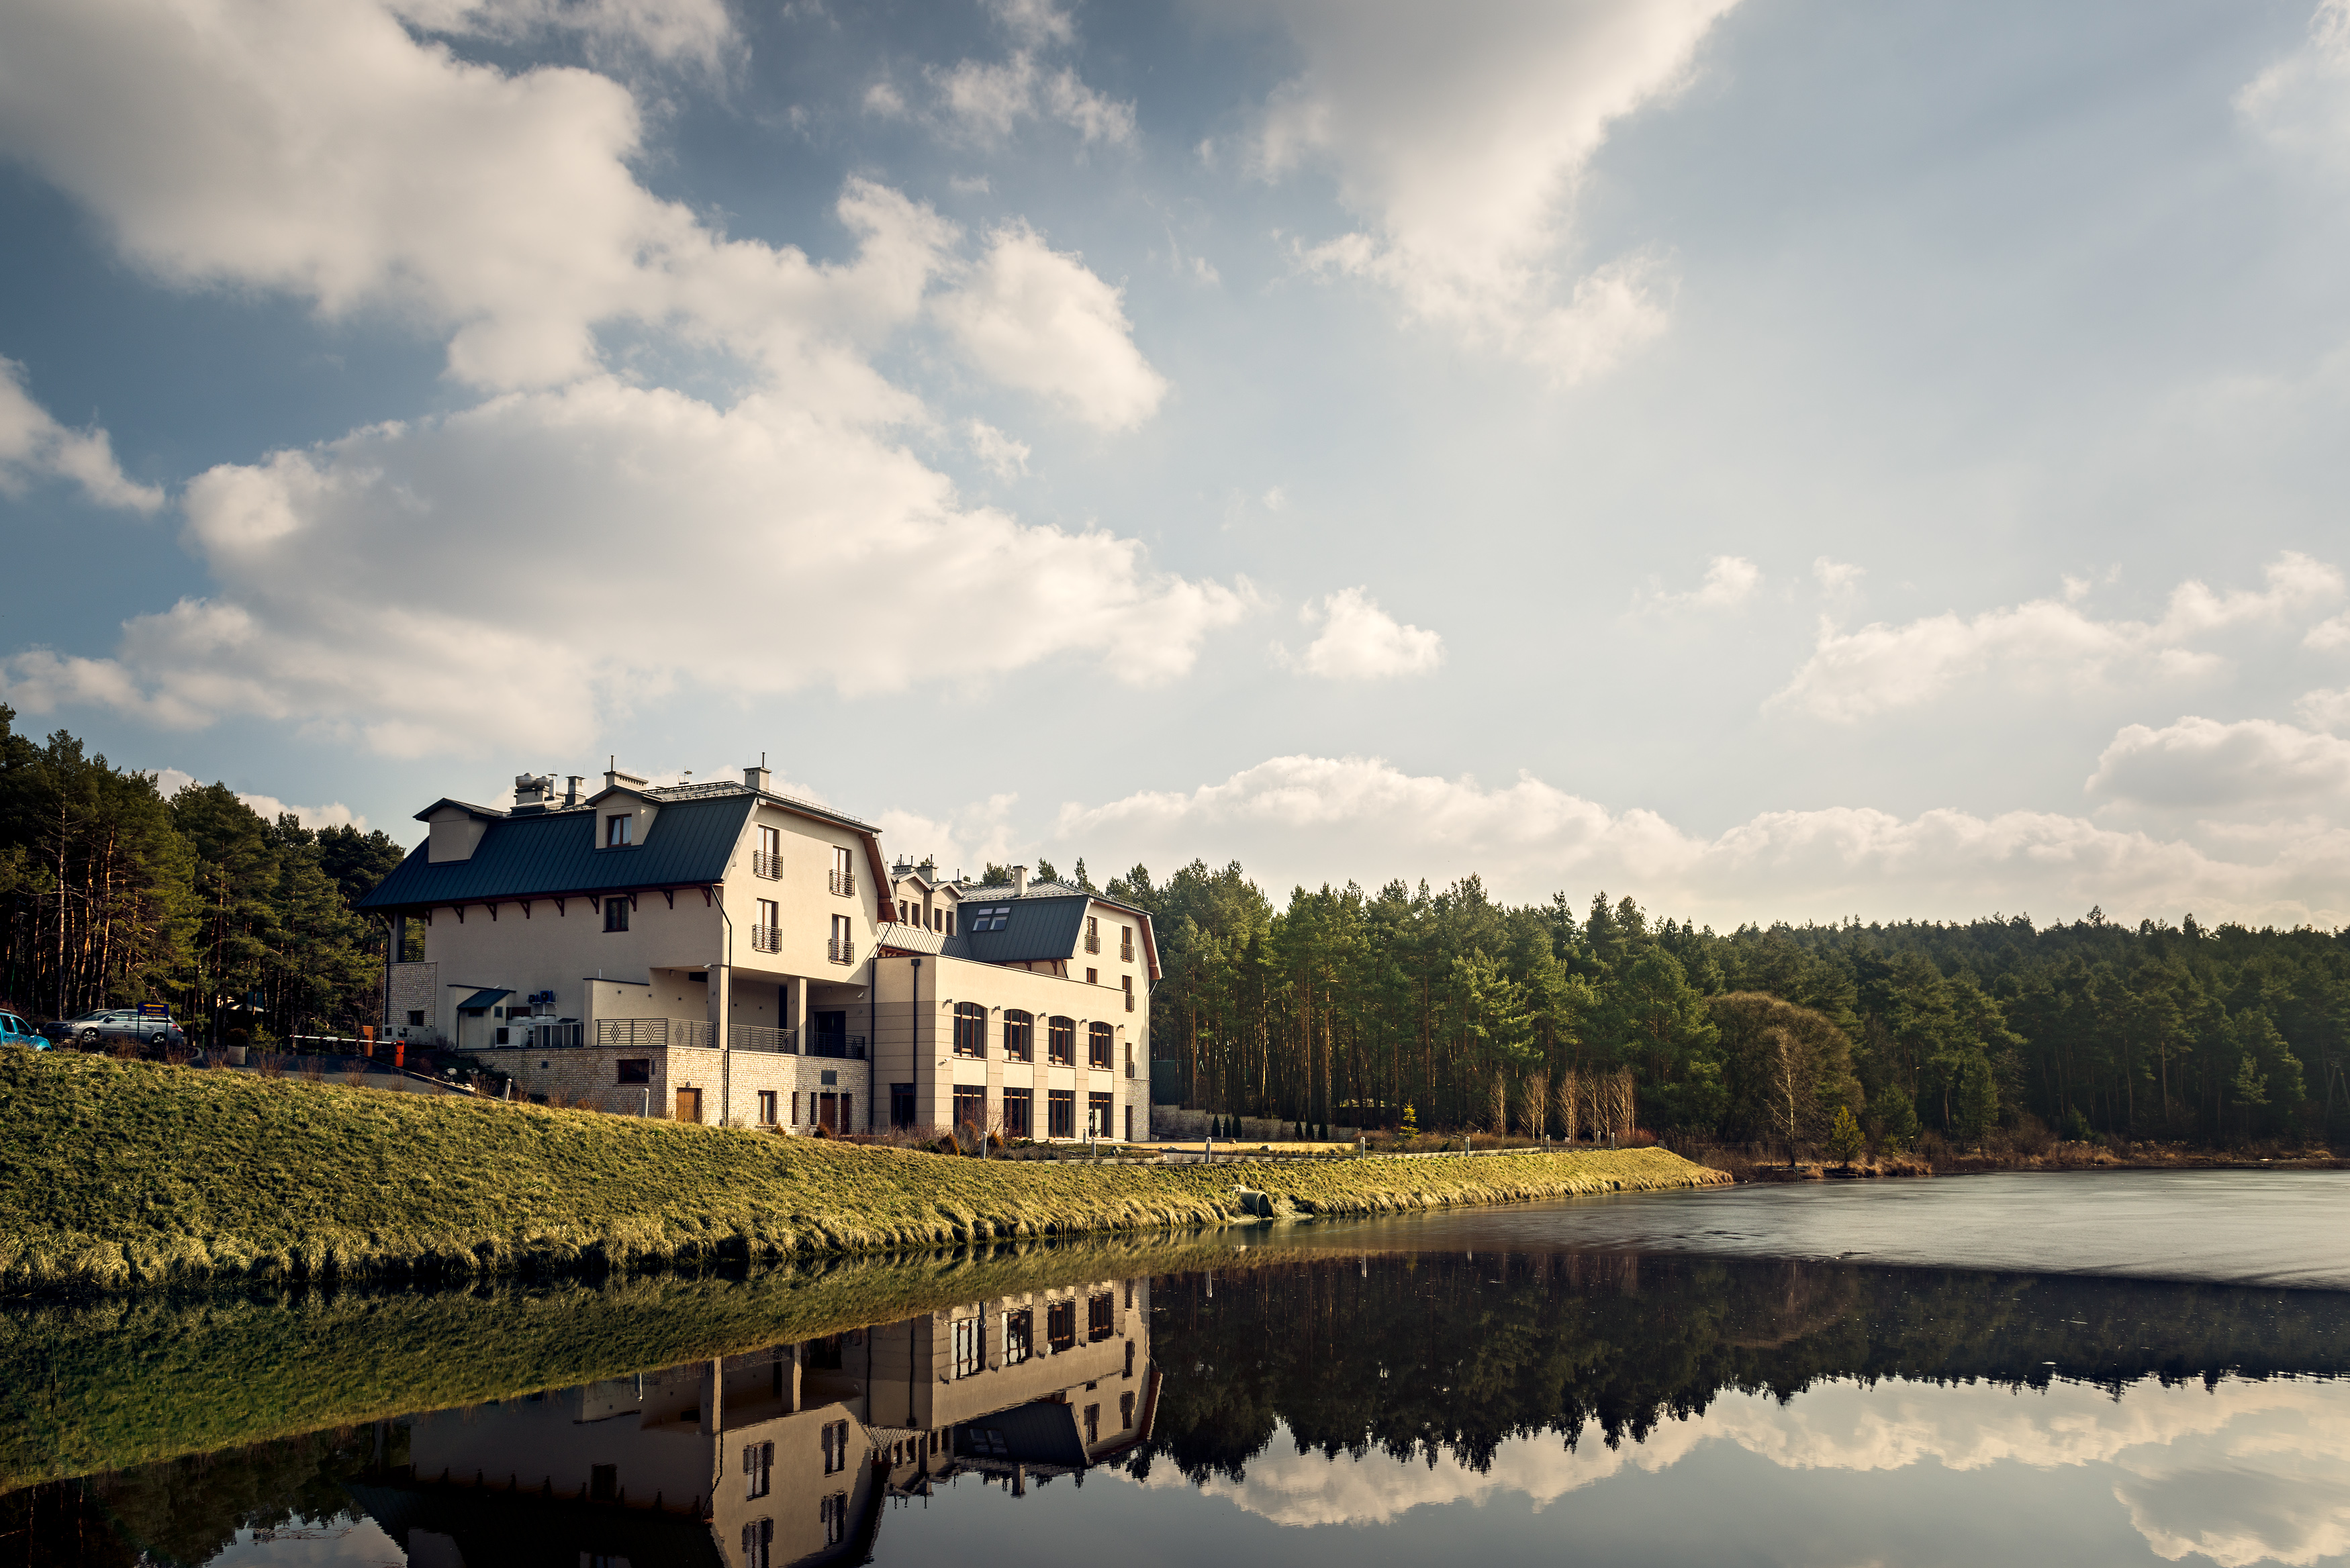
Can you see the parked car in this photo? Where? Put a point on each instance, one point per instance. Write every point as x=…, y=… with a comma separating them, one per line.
x=107, y=1025
x=15, y=1031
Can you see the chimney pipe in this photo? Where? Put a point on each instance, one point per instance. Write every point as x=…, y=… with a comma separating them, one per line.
x=1020, y=881
x=758, y=779
x=571, y=783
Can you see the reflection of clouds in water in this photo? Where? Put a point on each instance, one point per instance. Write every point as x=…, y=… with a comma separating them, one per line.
x=346, y=1540
x=2242, y=1473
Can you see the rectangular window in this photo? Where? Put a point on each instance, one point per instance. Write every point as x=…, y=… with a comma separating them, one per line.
x=617, y=828
x=1019, y=1119
x=758, y=1470
x=1097, y=1117
x=971, y=1106
x=835, y=1447
x=416, y=1018
x=1098, y=1046
x=1100, y=1311
x=768, y=859
x=766, y=1107
x=1126, y=1410
x=1126, y=944
x=635, y=1069
x=1093, y=977
x=1019, y=1035
x=603, y=1482
x=901, y=1105
x=758, y=1546
x=1129, y=1343
x=970, y=1346
x=771, y=914
x=1061, y=1325
x=969, y=1028
x=616, y=913
x=1093, y=1425
x=950, y=914
x=1061, y=1105
x=796, y=1108
x=842, y=880
x=1019, y=1336
x=1061, y=1041
x=833, y=1512
x=1093, y=934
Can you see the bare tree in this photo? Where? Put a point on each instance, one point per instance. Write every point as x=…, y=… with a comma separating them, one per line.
x=1570, y=1101
x=1500, y=1104
x=1538, y=1106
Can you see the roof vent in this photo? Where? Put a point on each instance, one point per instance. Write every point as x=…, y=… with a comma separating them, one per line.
x=571, y=783
x=1020, y=881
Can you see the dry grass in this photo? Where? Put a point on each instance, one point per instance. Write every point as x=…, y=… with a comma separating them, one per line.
x=122, y=1175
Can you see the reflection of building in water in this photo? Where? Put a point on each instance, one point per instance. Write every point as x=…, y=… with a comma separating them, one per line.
x=783, y=1455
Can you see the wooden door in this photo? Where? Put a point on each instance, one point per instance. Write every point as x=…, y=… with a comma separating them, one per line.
x=827, y=1114
x=689, y=1104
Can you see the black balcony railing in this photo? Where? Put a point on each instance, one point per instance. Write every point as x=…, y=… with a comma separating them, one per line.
x=767, y=939
x=841, y=949
x=842, y=882
x=1129, y=1002
x=763, y=864
x=1093, y=942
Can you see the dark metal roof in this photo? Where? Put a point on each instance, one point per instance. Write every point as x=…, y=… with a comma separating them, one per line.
x=1037, y=928
x=464, y=806
x=544, y=854
x=481, y=1000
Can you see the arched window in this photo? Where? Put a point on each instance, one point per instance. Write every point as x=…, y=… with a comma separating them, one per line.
x=969, y=1028
x=1019, y=1035
x=1097, y=1047
x=1061, y=1041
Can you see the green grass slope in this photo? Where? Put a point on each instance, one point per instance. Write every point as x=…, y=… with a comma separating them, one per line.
x=126, y=1174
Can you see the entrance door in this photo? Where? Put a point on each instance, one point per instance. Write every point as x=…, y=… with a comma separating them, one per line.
x=827, y=1113
x=689, y=1104
x=832, y=1033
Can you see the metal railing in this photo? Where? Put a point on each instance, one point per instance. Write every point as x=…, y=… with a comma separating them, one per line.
x=841, y=949
x=760, y=1037
x=1093, y=942
x=1129, y=1002
x=693, y=1033
x=1126, y=950
x=1129, y=1069
x=842, y=882
x=763, y=864
x=767, y=939
x=647, y=1033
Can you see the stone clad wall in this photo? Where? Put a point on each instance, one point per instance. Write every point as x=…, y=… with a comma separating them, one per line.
x=589, y=1075
x=415, y=988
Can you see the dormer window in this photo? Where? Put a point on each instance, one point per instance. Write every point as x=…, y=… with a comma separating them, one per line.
x=616, y=835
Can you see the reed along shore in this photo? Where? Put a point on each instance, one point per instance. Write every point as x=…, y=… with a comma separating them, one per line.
x=128, y=1175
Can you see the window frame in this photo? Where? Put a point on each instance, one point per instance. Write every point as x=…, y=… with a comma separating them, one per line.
x=1060, y=1041
x=971, y=1030
x=1101, y=1047
x=1020, y=1046
x=616, y=914
x=618, y=830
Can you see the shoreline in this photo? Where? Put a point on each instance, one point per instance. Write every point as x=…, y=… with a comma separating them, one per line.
x=129, y=1176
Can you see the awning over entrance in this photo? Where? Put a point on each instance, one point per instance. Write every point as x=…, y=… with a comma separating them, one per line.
x=483, y=1000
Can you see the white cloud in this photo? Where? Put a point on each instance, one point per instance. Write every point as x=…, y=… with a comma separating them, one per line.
x=1310, y=819
x=2329, y=635
x=1729, y=581
x=1837, y=579
x=501, y=561
x=988, y=100
x=1360, y=641
x=2203, y=765
x=2325, y=710
x=335, y=813
x=34, y=446
x=998, y=452
x=1854, y=675
x=963, y=841
x=1035, y=22
x=1034, y=318
x=692, y=30
x=1459, y=136
x=2302, y=103
x=887, y=101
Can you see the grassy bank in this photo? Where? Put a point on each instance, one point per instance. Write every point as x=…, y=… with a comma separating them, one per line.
x=123, y=1174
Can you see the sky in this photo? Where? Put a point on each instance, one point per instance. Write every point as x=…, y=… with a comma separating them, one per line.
x=1772, y=459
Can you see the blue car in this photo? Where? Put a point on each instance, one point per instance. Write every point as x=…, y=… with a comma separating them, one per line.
x=15, y=1031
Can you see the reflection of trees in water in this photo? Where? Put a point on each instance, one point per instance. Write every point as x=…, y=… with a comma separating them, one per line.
x=1452, y=1353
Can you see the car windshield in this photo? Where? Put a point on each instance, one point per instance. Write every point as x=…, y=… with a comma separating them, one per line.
x=91, y=1017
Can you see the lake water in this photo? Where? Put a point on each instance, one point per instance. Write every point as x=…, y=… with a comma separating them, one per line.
x=2118, y=1368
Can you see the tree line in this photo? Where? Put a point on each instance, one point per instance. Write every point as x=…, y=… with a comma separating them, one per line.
x=1348, y=1007
x=112, y=894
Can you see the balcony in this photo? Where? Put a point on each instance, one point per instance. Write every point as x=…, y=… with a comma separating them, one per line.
x=1129, y=1002
x=1129, y=1069
x=771, y=867
x=656, y=1033
x=843, y=883
x=767, y=939
x=759, y=1037
x=841, y=949
x=1093, y=942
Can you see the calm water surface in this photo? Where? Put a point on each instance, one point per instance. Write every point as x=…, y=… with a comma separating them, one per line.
x=2110, y=1369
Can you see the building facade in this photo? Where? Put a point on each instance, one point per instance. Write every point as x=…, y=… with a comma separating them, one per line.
x=720, y=952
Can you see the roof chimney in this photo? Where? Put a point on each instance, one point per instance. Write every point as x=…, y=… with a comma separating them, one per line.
x=615, y=779
x=759, y=779
x=531, y=792
x=1020, y=881
x=571, y=783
